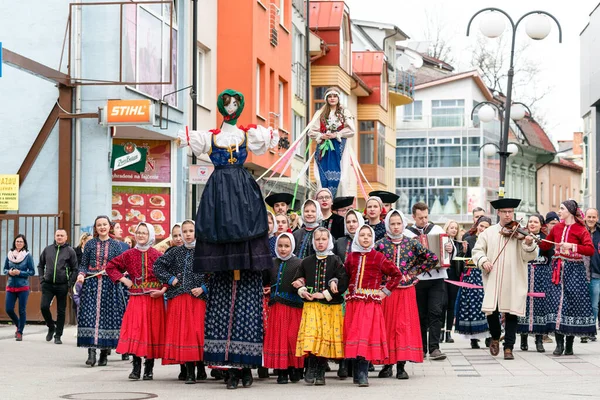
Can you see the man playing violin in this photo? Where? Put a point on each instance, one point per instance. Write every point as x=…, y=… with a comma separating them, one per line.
x=503, y=257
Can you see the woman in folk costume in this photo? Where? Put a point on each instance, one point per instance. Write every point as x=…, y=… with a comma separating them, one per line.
x=470, y=320
x=365, y=335
x=272, y=232
x=569, y=305
x=186, y=305
x=352, y=222
x=142, y=331
x=321, y=280
x=101, y=302
x=232, y=236
x=400, y=308
x=375, y=216
x=330, y=127
x=311, y=217
x=503, y=258
x=285, y=313
x=457, y=249
x=540, y=281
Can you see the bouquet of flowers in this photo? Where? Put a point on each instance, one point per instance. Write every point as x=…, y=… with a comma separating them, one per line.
x=332, y=126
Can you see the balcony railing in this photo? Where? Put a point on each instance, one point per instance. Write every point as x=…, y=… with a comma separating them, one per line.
x=299, y=81
x=402, y=82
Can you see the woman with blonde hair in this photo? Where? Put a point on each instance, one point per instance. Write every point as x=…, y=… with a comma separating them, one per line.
x=457, y=249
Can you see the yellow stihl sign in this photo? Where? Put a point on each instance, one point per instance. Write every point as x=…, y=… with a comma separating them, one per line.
x=129, y=112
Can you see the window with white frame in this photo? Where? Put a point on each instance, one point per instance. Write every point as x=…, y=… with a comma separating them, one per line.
x=201, y=77
x=150, y=48
x=258, y=85
x=281, y=104
x=447, y=113
x=281, y=13
x=413, y=111
x=297, y=128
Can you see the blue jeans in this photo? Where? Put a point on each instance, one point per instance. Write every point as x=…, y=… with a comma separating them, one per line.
x=595, y=295
x=11, y=299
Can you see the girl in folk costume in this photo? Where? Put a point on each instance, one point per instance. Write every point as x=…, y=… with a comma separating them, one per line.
x=375, y=215
x=568, y=302
x=352, y=222
x=400, y=308
x=457, y=249
x=282, y=222
x=540, y=281
x=285, y=313
x=311, y=217
x=233, y=240
x=321, y=280
x=330, y=127
x=142, y=331
x=470, y=320
x=186, y=305
x=101, y=302
x=365, y=335
x=272, y=232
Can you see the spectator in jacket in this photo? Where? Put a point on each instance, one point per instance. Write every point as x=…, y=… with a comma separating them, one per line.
x=19, y=266
x=58, y=270
x=591, y=222
x=83, y=239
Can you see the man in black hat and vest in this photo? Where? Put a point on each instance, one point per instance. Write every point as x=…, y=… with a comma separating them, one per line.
x=341, y=205
x=503, y=259
x=387, y=198
x=280, y=202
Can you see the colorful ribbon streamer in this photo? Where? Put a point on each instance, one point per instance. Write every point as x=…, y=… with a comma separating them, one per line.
x=472, y=286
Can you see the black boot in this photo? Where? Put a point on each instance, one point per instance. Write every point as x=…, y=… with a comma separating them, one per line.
x=569, y=346
x=201, y=375
x=442, y=336
x=320, y=372
x=234, y=378
x=386, y=371
x=91, y=361
x=263, y=373
x=539, y=344
x=311, y=370
x=282, y=376
x=449, y=337
x=343, y=369
x=182, y=372
x=354, y=371
x=148, y=370
x=560, y=344
x=102, y=361
x=400, y=372
x=137, y=368
x=247, y=378
x=217, y=374
x=124, y=357
x=524, y=345
x=475, y=344
x=294, y=374
x=190, y=375
x=371, y=367
x=363, y=373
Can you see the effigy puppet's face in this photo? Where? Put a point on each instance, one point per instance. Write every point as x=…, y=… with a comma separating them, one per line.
x=232, y=107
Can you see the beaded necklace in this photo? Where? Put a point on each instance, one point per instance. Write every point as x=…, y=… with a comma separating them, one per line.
x=306, y=239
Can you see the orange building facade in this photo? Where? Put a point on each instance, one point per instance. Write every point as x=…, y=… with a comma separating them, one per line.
x=254, y=57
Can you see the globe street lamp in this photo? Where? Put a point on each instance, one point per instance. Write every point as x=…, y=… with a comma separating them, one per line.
x=493, y=25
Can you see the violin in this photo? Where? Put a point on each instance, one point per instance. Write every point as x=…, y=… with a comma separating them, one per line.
x=513, y=229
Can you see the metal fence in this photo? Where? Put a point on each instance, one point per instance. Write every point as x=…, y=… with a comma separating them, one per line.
x=402, y=82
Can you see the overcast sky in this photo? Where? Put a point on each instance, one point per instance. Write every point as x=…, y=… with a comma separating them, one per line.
x=559, y=63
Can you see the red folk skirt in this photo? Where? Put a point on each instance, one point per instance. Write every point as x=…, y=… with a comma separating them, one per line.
x=364, y=331
x=184, y=339
x=143, y=326
x=402, y=326
x=281, y=336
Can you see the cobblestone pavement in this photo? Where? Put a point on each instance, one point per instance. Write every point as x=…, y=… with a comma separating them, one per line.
x=36, y=369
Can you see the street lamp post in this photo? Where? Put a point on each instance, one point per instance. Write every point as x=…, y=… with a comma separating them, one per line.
x=537, y=29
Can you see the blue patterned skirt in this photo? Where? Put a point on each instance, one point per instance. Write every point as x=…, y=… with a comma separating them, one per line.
x=470, y=320
x=569, y=304
x=536, y=310
x=330, y=166
x=101, y=309
x=234, y=320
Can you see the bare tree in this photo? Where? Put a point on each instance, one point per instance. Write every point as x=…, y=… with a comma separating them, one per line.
x=437, y=33
x=492, y=59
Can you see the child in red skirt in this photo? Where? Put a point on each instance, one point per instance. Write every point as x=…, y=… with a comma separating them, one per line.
x=142, y=330
x=186, y=304
x=321, y=279
x=364, y=326
x=400, y=309
x=285, y=313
